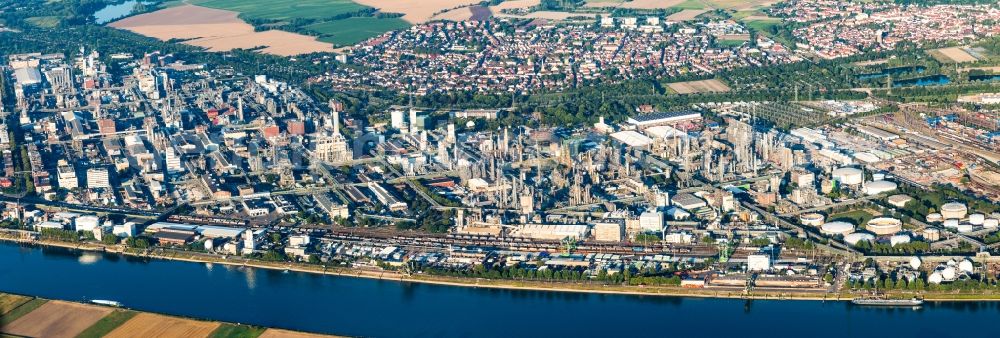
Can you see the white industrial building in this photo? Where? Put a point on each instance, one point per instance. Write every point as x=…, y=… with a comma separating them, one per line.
x=98, y=178
x=758, y=263
x=651, y=221
x=664, y=118
x=612, y=230
x=553, y=232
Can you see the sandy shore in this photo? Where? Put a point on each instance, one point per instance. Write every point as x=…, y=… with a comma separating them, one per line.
x=770, y=294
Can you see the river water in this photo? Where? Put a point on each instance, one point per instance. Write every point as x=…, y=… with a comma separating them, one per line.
x=374, y=308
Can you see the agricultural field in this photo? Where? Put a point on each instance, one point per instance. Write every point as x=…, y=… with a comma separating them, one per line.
x=20, y=310
x=740, y=4
x=353, y=30
x=515, y=4
x=284, y=9
x=278, y=333
x=417, y=11
x=693, y=4
x=952, y=55
x=685, y=15
x=702, y=86
x=107, y=324
x=43, y=21
x=56, y=319
x=153, y=325
x=218, y=30
x=9, y=302
x=237, y=331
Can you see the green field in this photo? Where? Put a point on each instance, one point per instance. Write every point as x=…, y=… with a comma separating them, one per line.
x=284, y=9
x=324, y=17
x=729, y=43
x=21, y=310
x=9, y=302
x=856, y=217
x=353, y=30
x=227, y=330
x=691, y=4
x=44, y=21
x=107, y=324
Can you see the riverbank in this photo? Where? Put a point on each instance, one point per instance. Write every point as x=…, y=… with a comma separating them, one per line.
x=29, y=316
x=524, y=285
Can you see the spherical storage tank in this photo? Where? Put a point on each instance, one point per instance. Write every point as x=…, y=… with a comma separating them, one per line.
x=848, y=176
x=949, y=273
x=812, y=219
x=935, y=278
x=953, y=210
x=884, y=225
x=878, y=187
x=965, y=266
x=837, y=228
x=977, y=219
x=899, y=239
x=934, y=217
x=855, y=238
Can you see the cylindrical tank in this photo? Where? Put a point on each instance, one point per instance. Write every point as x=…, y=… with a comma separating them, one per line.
x=812, y=219
x=977, y=219
x=884, y=225
x=837, y=228
x=878, y=187
x=953, y=210
x=848, y=176
x=991, y=223
x=878, y=176
x=915, y=263
x=951, y=223
x=964, y=227
x=934, y=217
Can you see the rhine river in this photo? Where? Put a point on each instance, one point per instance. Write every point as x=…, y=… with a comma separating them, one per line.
x=374, y=308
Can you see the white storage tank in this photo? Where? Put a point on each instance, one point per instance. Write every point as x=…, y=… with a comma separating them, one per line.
x=964, y=227
x=934, y=217
x=991, y=223
x=837, y=228
x=953, y=210
x=949, y=273
x=848, y=176
x=857, y=237
x=977, y=219
x=878, y=176
x=966, y=266
x=884, y=225
x=915, y=263
x=899, y=239
x=951, y=223
x=935, y=278
x=878, y=187
x=812, y=219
